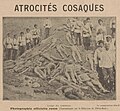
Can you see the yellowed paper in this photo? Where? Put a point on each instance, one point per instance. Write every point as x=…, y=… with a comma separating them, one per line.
x=55, y=39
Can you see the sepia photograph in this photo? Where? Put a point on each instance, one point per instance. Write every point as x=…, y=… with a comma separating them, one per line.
x=59, y=58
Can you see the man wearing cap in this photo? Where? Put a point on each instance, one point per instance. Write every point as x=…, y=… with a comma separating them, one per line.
x=108, y=61
x=22, y=43
x=8, y=46
x=47, y=25
x=109, y=40
x=15, y=47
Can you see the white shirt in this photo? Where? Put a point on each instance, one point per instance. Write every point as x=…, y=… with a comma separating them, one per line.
x=97, y=56
x=28, y=37
x=35, y=33
x=107, y=59
x=15, y=43
x=47, y=23
x=99, y=37
x=86, y=30
x=103, y=28
x=8, y=42
x=22, y=40
x=112, y=44
x=78, y=27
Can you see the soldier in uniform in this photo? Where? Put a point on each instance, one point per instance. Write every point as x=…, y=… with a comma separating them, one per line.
x=28, y=39
x=101, y=27
x=113, y=26
x=22, y=43
x=8, y=46
x=86, y=35
x=15, y=47
x=47, y=26
x=36, y=35
x=78, y=31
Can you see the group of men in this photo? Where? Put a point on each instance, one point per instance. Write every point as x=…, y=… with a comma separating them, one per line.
x=78, y=34
x=16, y=45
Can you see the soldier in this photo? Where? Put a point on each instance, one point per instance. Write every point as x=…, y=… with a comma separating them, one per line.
x=47, y=26
x=111, y=41
x=113, y=26
x=28, y=39
x=78, y=31
x=102, y=27
x=15, y=47
x=8, y=46
x=108, y=61
x=86, y=35
x=97, y=60
x=36, y=35
x=22, y=43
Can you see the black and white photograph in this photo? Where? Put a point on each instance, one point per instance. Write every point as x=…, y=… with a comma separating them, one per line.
x=59, y=58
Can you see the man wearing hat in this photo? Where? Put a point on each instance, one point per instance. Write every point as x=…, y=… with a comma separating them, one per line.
x=108, y=61
x=109, y=40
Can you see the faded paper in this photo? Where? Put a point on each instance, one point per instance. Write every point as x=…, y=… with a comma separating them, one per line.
x=18, y=94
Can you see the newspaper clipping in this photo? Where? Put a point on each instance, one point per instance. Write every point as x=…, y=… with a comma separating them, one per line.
x=60, y=56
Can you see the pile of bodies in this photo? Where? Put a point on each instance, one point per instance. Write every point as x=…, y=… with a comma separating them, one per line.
x=53, y=60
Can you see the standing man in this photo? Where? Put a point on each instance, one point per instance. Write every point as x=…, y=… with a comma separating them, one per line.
x=97, y=60
x=28, y=39
x=47, y=26
x=111, y=41
x=101, y=27
x=108, y=61
x=78, y=31
x=113, y=26
x=22, y=43
x=15, y=47
x=36, y=35
x=8, y=47
x=86, y=35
